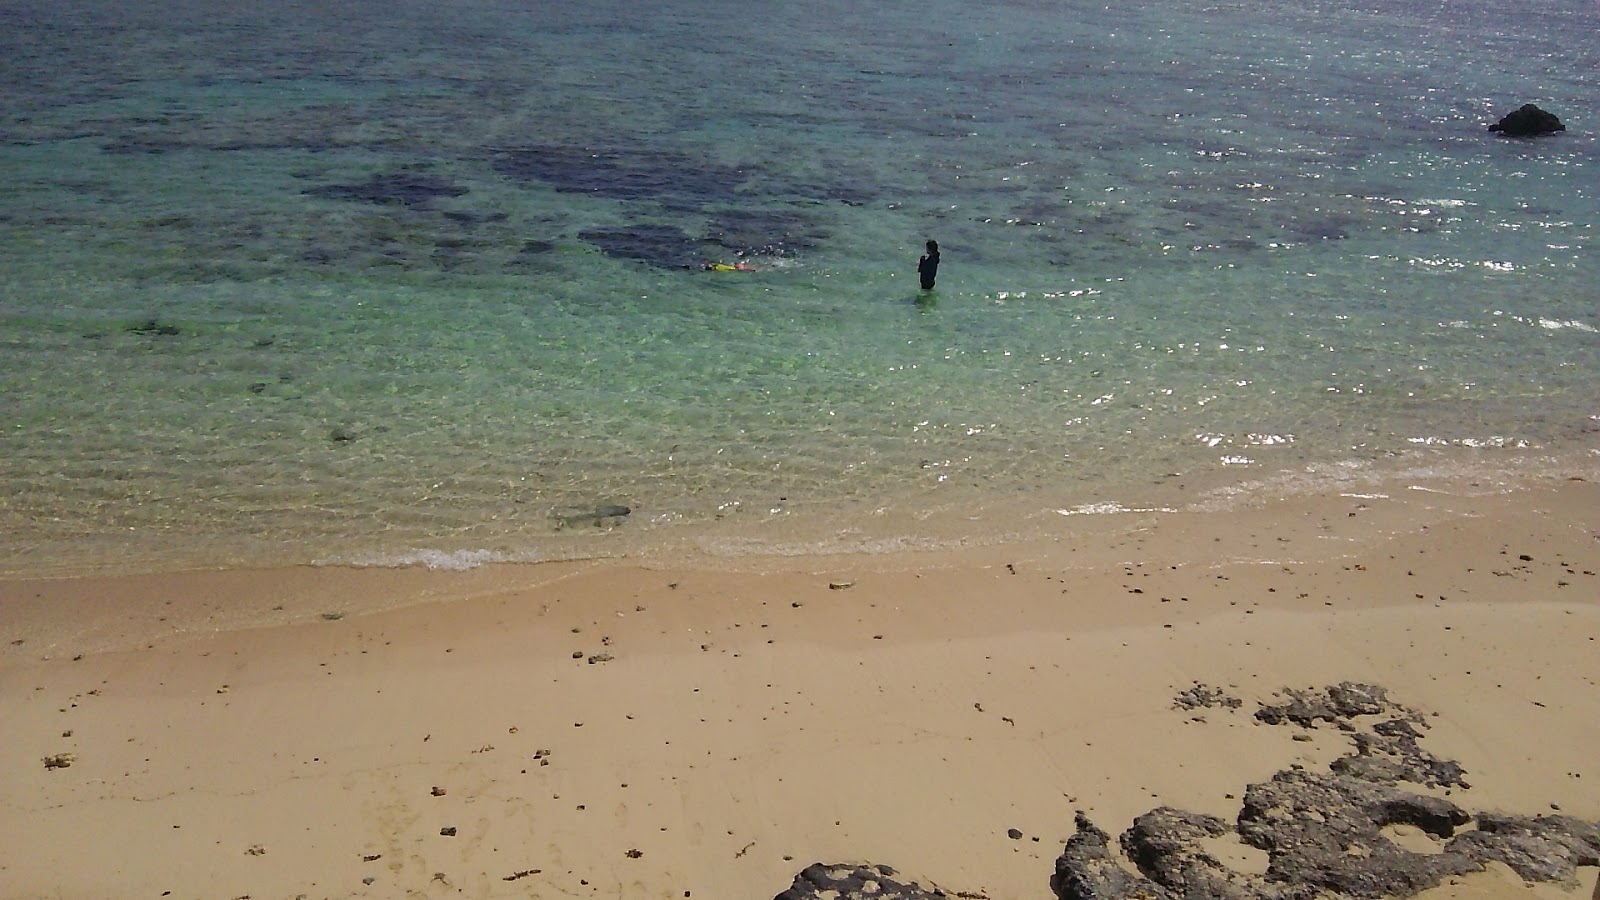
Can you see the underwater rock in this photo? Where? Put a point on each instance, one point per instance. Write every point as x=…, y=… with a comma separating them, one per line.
x=664, y=246
x=1528, y=121
x=610, y=514
x=135, y=145
x=685, y=187
x=392, y=189
x=469, y=219
x=154, y=328
x=770, y=232
x=632, y=174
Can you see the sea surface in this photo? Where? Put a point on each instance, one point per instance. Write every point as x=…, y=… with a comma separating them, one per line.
x=424, y=283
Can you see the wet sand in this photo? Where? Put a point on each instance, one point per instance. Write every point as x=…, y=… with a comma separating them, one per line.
x=708, y=728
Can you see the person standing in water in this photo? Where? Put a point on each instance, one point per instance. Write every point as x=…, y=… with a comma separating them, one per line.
x=928, y=266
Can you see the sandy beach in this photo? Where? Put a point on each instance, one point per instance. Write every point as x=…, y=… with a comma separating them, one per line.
x=710, y=727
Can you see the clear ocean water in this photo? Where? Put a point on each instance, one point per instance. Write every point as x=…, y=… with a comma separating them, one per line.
x=384, y=283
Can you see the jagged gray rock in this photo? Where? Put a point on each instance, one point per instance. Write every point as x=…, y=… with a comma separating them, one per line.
x=1388, y=753
x=1324, y=833
x=1332, y=705
x=850, y=881
x=1542, y=848
x=1165, y=844
x=1528, y=120
x=1086, y=870
x=1202, y=696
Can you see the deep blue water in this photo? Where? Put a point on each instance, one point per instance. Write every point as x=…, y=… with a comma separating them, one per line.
x=393, y=281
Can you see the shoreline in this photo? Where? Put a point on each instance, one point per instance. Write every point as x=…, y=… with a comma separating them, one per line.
x=281, y=732
x=752, y=532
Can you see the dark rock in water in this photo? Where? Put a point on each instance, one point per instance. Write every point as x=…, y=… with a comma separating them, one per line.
x=686, y=187
x=534, y=256
x=140, y=145
x=317, y=256
x=155, y=328
x=636, y=173
x=854, y=882
x=597, y=516
x=1528, y=121
x=470, y=219
x=392, y=189
x=772, y=232
x=659, y=245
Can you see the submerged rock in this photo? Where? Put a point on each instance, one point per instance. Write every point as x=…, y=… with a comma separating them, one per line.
x=598, y=516
x=154, y=328
x=1528, y=121
x=663, y=246
x=409, y=189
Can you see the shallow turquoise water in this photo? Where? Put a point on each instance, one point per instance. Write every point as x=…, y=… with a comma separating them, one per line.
x=282, y=287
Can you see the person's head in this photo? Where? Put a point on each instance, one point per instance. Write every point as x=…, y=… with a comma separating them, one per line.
x=933, y=248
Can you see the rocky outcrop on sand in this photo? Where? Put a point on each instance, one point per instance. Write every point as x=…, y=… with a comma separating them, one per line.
x=1528, y=121
x=854, y=882
x=1326, y=834
x=1329, y=834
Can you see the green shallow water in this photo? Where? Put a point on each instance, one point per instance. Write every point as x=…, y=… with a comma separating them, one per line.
x=279, y=294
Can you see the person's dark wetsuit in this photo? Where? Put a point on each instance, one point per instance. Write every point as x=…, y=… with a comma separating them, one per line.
x=928, y=266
